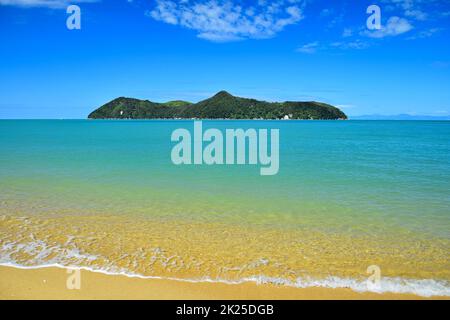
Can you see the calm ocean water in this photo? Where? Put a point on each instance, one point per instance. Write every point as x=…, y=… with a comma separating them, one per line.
x=349, y=194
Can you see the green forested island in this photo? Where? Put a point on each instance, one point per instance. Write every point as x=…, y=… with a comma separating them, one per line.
x=221, y=106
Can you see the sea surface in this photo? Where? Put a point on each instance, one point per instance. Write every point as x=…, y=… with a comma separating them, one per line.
x=104, y=195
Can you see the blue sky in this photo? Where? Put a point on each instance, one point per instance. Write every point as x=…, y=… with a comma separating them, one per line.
x=190, y=49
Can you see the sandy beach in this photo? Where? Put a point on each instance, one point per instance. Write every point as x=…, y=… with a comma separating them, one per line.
x=51, y=283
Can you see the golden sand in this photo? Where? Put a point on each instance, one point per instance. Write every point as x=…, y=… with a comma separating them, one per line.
x=51, y=283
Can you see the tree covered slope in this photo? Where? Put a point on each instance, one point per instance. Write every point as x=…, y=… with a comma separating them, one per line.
x=221, y=106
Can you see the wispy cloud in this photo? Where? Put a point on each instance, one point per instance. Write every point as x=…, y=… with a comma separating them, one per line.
x=53, y=4
x=348, y=32
x=425, y=33
x=314, y=47
x=224, y=20
x=326, y=12
x=409, y=8
x=416, y=14
x=355, y=44
x=308, y=48
x=419, y=10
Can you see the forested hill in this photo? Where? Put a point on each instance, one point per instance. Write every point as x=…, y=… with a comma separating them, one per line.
x=221, y=106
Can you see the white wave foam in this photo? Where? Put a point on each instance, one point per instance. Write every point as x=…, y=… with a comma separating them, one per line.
x=40, y=250
x=420, y=287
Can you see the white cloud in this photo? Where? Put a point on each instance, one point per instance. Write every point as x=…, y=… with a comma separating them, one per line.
x=308, y=48
x=326, y=12
x=394, y=27
x=416, y=14
x=421, y=15
x=356, y=44
x=425, y=34
x=414, y=9
x=313, y=47
x=54, y=4
x=348, y=32
x=224, y=20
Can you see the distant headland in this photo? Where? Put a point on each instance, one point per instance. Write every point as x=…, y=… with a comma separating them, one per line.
x=221, y=106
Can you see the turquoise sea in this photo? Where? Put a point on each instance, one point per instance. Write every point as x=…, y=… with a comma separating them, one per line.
x=348, y=195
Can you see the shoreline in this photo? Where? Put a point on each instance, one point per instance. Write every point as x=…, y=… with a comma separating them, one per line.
x=51, y=283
